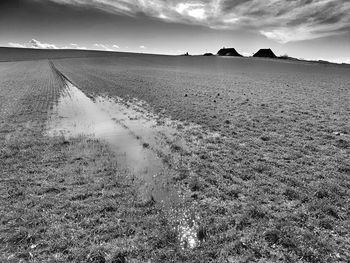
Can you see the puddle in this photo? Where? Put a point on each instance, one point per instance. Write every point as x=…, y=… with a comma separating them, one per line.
x=140, y=141
x=187, y=228
x=148, y=128
x=76, y=114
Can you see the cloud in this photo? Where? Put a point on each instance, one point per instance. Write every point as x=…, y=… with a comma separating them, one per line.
x=75, y=46
x=279, y=20
x=284, y=35
x=17, y=45
x=194, y=10
x=37, y=44
x=106, y=47
x=34, y=44
x=143, y=47
x=102, y=47
x=339, y=60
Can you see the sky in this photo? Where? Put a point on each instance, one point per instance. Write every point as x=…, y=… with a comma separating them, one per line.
x=308, y=29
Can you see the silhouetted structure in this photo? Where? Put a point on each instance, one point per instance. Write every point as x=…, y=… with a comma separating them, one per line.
x=265, y=53
x=229, y=52
x=208, y=54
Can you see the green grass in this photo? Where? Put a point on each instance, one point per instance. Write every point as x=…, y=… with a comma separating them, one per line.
x=273, y=187
x=68, y=200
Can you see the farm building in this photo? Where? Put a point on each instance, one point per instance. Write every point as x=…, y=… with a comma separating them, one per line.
x=229, y=52
x=265, y=53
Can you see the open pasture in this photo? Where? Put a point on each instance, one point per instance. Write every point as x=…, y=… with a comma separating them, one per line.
x=264, y=158
x=284, y=141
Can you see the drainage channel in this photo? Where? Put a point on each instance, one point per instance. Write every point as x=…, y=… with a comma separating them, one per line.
x=136, y=137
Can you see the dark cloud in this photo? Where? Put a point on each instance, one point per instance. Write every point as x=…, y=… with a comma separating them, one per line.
x=8, y=4
x=227, y=6
x=332, y=19
x=257, y=13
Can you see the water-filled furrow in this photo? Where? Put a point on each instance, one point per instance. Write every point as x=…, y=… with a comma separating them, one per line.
x=135, y=139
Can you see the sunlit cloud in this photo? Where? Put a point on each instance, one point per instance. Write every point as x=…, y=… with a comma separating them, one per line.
x=143, y=47
x=339, y=60
x=37, y=44
x=279, y=20
x=74, y=46
x=102, y=47
x=195, y=10
x=284, y=35
x=11, y=44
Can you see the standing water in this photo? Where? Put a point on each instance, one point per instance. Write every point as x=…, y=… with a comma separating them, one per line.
x=123, y=128
x=76, y=114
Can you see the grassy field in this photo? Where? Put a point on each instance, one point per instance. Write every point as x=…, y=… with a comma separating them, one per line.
x=272, y=187
x=67, y=200
x=21, y=54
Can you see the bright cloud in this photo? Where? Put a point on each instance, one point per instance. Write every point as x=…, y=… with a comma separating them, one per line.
x=339, y=60
x=75, y=46
x=196, y=11
x=284, y=35
x=17, y=45
x=279, y=20
x=37, y=44
x=34, y=44
x=102, y=47
x=143, y=47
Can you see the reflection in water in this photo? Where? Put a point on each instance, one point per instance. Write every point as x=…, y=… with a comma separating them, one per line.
x=135, y=136
x=188, y=228
x=149, y=128
x=76, y=114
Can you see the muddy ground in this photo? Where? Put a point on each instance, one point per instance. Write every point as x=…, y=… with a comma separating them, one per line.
x=263, y=159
